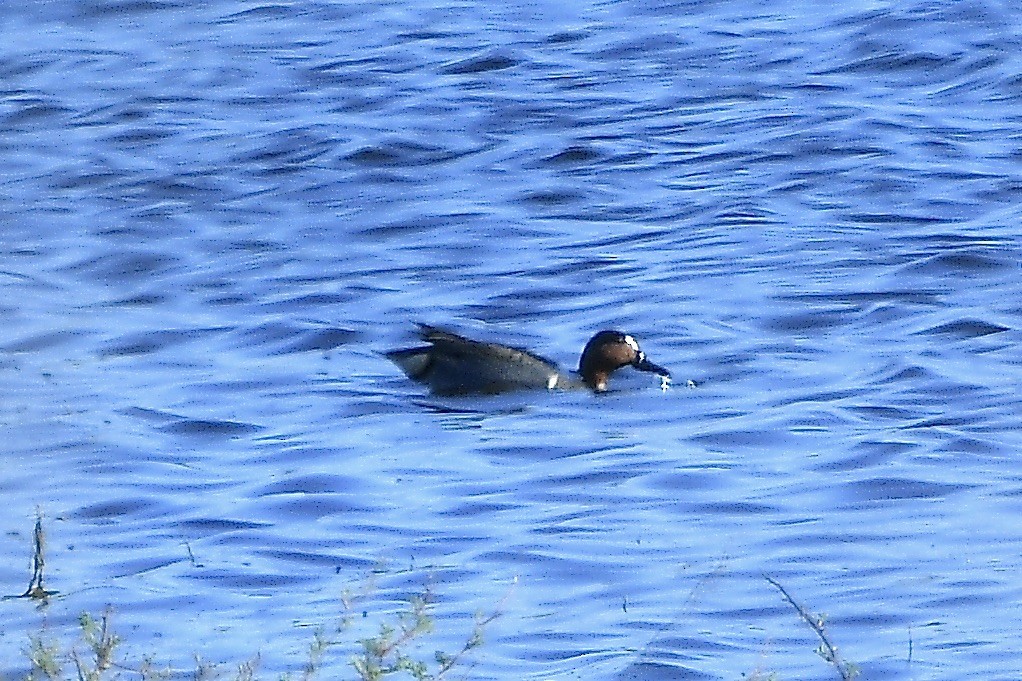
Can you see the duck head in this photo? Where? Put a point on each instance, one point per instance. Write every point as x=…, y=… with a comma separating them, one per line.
x=607, y=352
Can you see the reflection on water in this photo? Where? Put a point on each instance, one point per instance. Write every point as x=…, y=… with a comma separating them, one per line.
x=214, y=221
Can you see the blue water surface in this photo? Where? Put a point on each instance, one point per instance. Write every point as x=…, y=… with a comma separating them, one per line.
x=214, y=217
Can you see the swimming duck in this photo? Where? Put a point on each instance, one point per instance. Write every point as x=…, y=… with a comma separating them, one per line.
x=455, y=365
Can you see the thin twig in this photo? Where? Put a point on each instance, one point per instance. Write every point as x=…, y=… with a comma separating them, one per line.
x=35, y=586
x=447, y=662
x=828, y=651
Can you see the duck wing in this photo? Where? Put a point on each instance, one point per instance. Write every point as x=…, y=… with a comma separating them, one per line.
x=466, y=348
x=453, y=364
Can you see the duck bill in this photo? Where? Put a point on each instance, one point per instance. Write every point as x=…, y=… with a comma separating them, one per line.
x=645, y=365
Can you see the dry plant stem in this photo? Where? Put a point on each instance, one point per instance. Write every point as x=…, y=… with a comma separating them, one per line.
x=829, y=650
x=448, y=661
x=100, y=639
x=408, y=630
x=35, y=586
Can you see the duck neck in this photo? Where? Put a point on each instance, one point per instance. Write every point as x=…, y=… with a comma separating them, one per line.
x=596, y=380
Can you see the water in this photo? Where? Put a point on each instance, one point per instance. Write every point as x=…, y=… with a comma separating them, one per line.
x=215, y=217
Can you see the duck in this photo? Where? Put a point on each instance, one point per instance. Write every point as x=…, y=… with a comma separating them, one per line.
x=455, y=365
